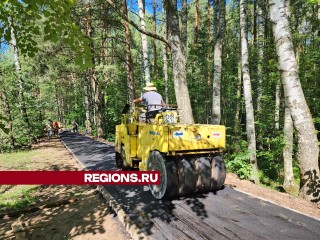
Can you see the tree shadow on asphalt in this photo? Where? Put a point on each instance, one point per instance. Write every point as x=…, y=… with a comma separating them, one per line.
x=85, y=216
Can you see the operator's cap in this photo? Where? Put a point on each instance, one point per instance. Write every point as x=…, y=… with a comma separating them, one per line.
x=150, y=87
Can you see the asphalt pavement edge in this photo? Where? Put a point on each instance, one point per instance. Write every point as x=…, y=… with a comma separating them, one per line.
x=126, y=221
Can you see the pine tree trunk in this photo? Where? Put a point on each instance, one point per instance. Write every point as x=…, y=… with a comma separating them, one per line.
x=196, y=25
x=184, y=25
x=128, y=55
x=165, y=58
x=144, y=40
x=208, y=59
x=92, y=72
x=289, y=184
x=87, y=106
x=308, y=149
x=251, y=135
x=179, y=64
x=219, y=38
x=102, y=34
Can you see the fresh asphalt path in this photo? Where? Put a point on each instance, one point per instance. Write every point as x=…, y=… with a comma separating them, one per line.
x=227, y=214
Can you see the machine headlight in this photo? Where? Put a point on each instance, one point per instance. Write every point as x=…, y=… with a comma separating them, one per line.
x=198, y=137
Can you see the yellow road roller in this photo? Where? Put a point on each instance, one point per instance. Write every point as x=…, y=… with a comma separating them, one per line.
x=187, y=156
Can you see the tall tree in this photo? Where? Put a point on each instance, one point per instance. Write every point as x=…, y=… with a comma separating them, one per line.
x=144, y=40
x=260, y=45
x=21, y=86
x=184, y=24
x=277, y=106
x=308, y=149
x=178, y=63
x=289, y=183
x=93, y=73
x=154, y=6
x=220, y=10
x=165, y=56
x=208, y=57
x=251, y=135
x=128, y=54
x=196, y=25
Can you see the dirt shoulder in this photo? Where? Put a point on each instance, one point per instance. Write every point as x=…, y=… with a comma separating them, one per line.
x=64, y=212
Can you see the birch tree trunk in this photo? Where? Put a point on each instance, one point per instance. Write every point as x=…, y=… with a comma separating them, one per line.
x=237, y=127
x=277, y=106
x=144, y=40
x=154, y=5
x=179, y=64
x=94, y=78
x=217, y=59
x=260, y=53
x=251, y=135
x=289, y=184
x=308, y=150
x=184, y=25
x=128, y=55
x=22, y=105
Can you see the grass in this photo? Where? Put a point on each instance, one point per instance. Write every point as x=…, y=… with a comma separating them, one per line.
x=17, y=197
x=14, y=197
x=17, y=160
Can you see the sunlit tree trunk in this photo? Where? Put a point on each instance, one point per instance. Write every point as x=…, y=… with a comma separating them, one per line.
x=260, y=46
x=178, y=64
x=251, y=135
x=128, y=55
x=92, y=72
x=307, y=149
x=217, y=58
x=144, y=40
x=196, y=25
x=22, y=105
x=237, y=127
x=289, y=184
